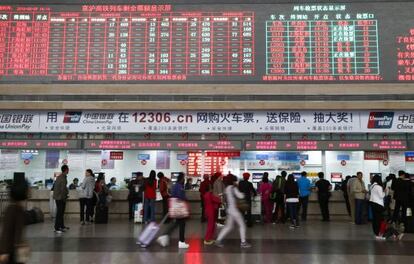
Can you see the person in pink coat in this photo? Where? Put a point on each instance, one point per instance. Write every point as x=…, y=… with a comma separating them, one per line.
x=265, y=189
x=211, y=205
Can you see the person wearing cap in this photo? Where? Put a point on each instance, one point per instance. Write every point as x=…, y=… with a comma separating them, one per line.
x=246, y=187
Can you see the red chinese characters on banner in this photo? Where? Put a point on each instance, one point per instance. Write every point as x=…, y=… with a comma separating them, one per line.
x=116, y=155
x=212, y=164
x=375, y=155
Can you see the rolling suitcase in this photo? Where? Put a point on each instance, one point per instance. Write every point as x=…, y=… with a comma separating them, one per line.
x=101, y=216
x=150, y=232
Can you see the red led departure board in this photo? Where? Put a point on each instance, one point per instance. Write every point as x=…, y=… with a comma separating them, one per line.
x=207, y=43
x=39, y=144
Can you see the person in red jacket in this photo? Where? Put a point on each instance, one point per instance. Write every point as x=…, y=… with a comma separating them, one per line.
x=211, y=204
x=149, y=197
x=163, y=183
x=204, y=186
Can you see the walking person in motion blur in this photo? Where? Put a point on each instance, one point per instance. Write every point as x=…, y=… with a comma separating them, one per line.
x=13, y=248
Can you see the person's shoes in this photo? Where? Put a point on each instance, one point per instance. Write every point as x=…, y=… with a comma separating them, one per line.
x=183, y=245
x=400, y=236
x=163, y=241
x=379, y=238
x=208, y=242
x=297, y=226
x=58, y=231
x=220, y=225
x=245, y=245
x=292, y=226
x=219, y=244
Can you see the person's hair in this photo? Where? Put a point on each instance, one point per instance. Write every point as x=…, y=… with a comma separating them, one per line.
x=113, y=178
x=180, y=177
x=160, y=175
x=209, y=188
x=304, y=173
x=265, y=174
x=189, y=179
x=19, y=190
x=353, y=176
x=152, y=177
x=359, y=173
x=376, y=179
x=348, y=177
x=291, y=178
x=320, y=175
x=391, y=176
x=229, y=180
x=283, y=174
x=76, y=179
x=265, y=178
x=401, y=173
x=64, y=168
x=101, y=176
x=90, y=172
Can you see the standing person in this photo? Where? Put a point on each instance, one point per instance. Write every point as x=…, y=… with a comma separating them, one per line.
x=149, y=197
x=218, y=190
x=344, y=188
x=389, y=203
x=377, y=204
x=163, y=183
x=292, y=200
x=112, y=184
x=12, y=236
x=278, y=189
x=233, y=213
x=135, y=194
x=402, y=189
x=359, y=191
x=74, y=185
x=60, y=194
x=102, y=192
x=304, y=191
x=265, y=189
x=211, y=204
x=178, y=192
x=324, y=188
x=204, y=186
x=85, y=196
x=351, y=197
x=246, y=187
x=189, y=184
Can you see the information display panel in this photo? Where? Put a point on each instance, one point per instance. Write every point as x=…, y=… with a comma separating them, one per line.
x=162, y=145
x=215, y=43
x=39, y=144
x=326, y=145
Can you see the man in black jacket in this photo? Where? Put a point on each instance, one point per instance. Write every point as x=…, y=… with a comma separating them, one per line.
x=402, y=190
x=248, y=190
x=324, y=193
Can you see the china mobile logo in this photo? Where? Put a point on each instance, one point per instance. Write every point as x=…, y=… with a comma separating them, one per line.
x=379, y=120
x=72, y=117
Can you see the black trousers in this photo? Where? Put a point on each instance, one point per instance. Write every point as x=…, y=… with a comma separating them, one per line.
x=60, y=213
x=399, y=207
x=348, y=205
x=303, y=205
x=377, y=217
x=324, y=205
x=280, y=215
x=180, y=223
x=85, y=208
x=248, y=214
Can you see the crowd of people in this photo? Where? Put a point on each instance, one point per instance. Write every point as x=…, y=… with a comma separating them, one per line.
x=387, y=204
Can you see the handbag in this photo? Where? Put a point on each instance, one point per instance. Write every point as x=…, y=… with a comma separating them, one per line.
x=22, y=253
x=178, y=208
x=241, y=204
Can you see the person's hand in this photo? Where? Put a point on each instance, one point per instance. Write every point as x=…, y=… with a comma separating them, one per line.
x=4, y=258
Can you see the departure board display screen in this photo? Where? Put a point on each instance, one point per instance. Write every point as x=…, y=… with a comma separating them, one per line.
x=216, y=43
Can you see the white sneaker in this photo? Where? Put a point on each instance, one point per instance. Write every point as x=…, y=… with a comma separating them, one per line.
x=164, y=241
x=183, y=245
x=380, y=238
x=220, y=225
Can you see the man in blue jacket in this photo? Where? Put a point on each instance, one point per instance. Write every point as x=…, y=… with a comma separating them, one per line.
x=304, y=191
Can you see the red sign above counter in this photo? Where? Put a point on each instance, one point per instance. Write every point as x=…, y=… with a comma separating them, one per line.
x=327, y=145
x=163, y=145
x=39, y=144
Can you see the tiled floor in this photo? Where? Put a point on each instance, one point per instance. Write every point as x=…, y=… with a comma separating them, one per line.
x=313, y=242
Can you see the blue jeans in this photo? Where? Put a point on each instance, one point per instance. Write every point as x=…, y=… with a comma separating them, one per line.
x=359, y=210
x=149, y=210
x=293, y=212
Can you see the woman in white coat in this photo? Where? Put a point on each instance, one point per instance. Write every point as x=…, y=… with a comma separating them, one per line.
x=377, y=204
x=233, y=214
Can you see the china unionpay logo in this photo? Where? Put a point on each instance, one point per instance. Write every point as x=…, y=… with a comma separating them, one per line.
x=72, y=117
x=379, y=120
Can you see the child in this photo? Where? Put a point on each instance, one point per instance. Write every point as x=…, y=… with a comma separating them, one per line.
x=211, y=205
